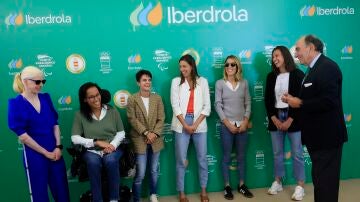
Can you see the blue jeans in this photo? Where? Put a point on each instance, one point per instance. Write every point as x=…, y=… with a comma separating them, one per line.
x=278, y=139
x=110, y=162
x=182, y=141
x=227, y=141
x=151, y=159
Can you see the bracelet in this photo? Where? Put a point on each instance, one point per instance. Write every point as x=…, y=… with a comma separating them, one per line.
x=60, y=146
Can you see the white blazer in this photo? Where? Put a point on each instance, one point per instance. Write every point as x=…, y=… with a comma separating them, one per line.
x=179, y=96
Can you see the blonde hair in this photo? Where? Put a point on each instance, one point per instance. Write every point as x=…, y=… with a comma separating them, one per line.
x=28, y=72
x=239, y=72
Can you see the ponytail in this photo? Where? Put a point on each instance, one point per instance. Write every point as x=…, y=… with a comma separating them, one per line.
x=18, y=86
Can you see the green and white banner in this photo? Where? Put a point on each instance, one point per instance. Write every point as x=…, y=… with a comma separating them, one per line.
x=107, y=42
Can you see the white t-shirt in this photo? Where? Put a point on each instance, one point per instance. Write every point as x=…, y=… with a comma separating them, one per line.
x=228, y=84
x=281, y=87
x=146, y=104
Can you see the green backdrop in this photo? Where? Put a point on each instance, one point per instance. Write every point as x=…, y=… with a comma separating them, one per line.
x=75, y=41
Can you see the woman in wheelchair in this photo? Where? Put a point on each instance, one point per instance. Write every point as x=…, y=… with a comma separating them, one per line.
x=98, y=127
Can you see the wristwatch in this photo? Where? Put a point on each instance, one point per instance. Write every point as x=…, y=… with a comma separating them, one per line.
x=146, y=133
x=60, y=146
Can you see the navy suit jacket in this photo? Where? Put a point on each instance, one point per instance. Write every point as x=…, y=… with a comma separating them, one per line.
x=322, y=123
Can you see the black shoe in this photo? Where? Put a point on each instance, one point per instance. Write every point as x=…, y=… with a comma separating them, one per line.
x=245, y=191
x=228, y=193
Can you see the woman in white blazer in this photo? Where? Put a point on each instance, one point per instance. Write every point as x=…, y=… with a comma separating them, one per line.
x=190, y=101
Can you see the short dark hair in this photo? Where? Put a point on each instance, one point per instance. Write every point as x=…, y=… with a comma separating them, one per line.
x=288, y=59
x=142, y=72
x=311, y=39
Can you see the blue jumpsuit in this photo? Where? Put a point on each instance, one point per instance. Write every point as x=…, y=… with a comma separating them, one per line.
x=23, y=118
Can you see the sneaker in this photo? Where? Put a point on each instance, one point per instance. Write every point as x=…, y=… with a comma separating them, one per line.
x=245, y=191
x=275, y=188
x=153, y=198
x=228, y=193
x=299, y=193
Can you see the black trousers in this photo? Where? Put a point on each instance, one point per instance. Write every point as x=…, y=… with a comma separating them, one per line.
x=326, y=174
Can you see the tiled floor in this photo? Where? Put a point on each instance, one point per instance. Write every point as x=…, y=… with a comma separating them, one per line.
x=349, y=192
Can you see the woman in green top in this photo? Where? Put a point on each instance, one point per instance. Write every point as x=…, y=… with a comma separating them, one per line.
x=98, y=127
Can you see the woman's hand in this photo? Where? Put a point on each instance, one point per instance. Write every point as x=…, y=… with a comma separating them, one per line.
x=50, y=155
x=109, y=149
x=286, y=124
x=57, y=153
x=243, y=127
x=27, y=140
x=151, y=137
x=276, y=122
x=232, y=128
x=189, y=129
x=102, y=144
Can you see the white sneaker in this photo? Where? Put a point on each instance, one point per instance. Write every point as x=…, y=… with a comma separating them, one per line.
x=153, y=198
x=275, y=188
x=298, y=194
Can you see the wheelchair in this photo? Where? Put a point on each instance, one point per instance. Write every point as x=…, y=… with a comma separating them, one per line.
x=126, y=168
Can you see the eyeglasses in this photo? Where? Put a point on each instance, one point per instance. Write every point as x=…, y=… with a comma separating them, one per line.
x=230, y=64
x=37, y=82
x=92, y=98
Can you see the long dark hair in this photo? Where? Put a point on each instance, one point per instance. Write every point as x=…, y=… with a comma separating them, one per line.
x=84, y=106
x=194, y=74
x=288, y=59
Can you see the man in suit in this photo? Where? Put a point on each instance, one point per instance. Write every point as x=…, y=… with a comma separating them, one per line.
x=323, y=125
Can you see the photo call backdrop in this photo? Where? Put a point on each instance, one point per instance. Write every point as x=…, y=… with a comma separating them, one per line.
x=107, y=42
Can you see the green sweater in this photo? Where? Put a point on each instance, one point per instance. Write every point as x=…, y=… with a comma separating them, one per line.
x=104, y=129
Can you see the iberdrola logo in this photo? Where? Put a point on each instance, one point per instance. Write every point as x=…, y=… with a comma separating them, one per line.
x=151, y=15
x=134, y=58
x=15, y=63
x=347, y=117
x=14, y=19
x=307, y=11
x=347, y=50
x=64, y=100
x=245, y=54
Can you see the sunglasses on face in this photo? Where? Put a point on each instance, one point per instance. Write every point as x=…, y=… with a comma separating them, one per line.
x=37, y=82
x=230, y=65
